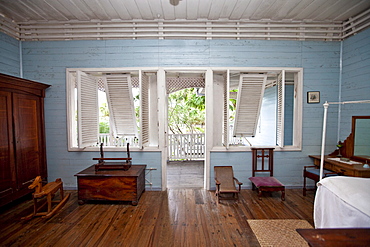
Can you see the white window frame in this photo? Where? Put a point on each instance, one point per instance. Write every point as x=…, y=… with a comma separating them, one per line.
x=71, y=96
x=297, y=109
x=298, y=104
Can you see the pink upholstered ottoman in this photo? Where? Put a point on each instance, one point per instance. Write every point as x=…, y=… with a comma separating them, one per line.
x=267, y=184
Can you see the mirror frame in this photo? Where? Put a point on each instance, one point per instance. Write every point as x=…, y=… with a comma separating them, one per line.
x=359, y=158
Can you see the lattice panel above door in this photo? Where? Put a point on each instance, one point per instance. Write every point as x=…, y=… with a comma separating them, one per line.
x=177, y=83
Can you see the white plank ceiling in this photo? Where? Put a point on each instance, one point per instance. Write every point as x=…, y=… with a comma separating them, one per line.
x=18, y=14
x=85, y=10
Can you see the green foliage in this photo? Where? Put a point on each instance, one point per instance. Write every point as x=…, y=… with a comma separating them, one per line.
x=186, y=112
x=232, y=106
x=104, y=111
x=103, y=127
x=104, y=118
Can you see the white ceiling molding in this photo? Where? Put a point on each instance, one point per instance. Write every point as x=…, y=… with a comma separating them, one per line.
x=356, y=24
x=9, y=27
x=185, y=29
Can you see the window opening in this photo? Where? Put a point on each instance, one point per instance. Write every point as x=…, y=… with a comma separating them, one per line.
x=274, y=117
x=90, y=125
x=106, y=108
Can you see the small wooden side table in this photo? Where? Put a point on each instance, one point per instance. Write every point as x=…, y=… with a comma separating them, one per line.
x=111, y=185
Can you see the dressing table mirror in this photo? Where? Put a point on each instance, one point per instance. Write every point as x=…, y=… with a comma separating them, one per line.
x=361, y=138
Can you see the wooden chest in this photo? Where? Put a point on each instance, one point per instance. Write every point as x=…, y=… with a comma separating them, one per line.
x=111, y=185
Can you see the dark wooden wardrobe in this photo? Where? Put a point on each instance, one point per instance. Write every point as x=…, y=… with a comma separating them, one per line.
x=22, y=136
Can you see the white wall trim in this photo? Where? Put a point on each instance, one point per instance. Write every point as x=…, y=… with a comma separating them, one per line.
x=162, y=123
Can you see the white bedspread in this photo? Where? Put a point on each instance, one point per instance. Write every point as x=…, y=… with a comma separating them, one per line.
x=342, y=202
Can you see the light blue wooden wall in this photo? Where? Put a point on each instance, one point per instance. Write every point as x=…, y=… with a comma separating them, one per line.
x=46, y=62
x=356, y=79
x=9, y=55
x=320, y=61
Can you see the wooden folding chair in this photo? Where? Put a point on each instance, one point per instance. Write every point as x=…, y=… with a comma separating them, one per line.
x=225, y=183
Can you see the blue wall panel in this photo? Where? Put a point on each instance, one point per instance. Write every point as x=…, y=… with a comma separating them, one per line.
x=47, y=61
x=9, y=55
x=355, y=79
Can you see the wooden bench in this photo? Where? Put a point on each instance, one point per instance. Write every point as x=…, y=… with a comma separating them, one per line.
x=267, y=183
x=313, y=172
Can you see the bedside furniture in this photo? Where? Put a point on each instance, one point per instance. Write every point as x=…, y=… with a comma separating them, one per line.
x=111, y=185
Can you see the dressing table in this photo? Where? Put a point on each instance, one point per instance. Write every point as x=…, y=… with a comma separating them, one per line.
x=342, y=168
x=355, y=149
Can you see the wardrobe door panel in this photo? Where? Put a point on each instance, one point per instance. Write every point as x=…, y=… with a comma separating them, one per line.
x=7, y=166
x=28, y=136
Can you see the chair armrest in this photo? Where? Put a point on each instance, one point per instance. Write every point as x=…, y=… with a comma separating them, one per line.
x=217, y=185
x=237, y=181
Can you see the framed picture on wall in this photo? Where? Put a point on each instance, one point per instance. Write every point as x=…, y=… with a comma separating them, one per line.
x=313, y=97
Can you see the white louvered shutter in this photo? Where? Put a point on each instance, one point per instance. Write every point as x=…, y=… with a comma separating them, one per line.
x=249, y=101
x=121, y=105
x=280, y=109
x=87, y=110
x=226, y=109
x=144, y=110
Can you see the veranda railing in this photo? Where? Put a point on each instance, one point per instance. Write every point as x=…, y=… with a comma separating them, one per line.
x=186, y=146
x=107, y=140
x=180, y=146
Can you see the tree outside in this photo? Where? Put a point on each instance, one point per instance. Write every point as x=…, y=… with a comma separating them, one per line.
x=186, y=112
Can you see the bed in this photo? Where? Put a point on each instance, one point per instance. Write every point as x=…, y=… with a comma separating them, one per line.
x=342, y=202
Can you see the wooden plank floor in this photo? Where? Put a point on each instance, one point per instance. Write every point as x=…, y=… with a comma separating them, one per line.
x=176, y=217
x=185, y=174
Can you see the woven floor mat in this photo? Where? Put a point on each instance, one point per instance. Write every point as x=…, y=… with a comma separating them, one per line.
x=279, y=232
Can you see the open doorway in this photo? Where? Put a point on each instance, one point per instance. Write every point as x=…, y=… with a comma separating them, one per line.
x=186, y=129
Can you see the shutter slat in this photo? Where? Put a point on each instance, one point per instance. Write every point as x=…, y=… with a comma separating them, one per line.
x=249, y=101
x=121, y=105
x=144, y=106
x=87, y=108
x=226, y=88
x=280, y=111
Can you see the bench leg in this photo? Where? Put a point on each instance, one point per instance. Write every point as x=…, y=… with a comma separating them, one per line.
x=259, y=194
x=283, y=195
